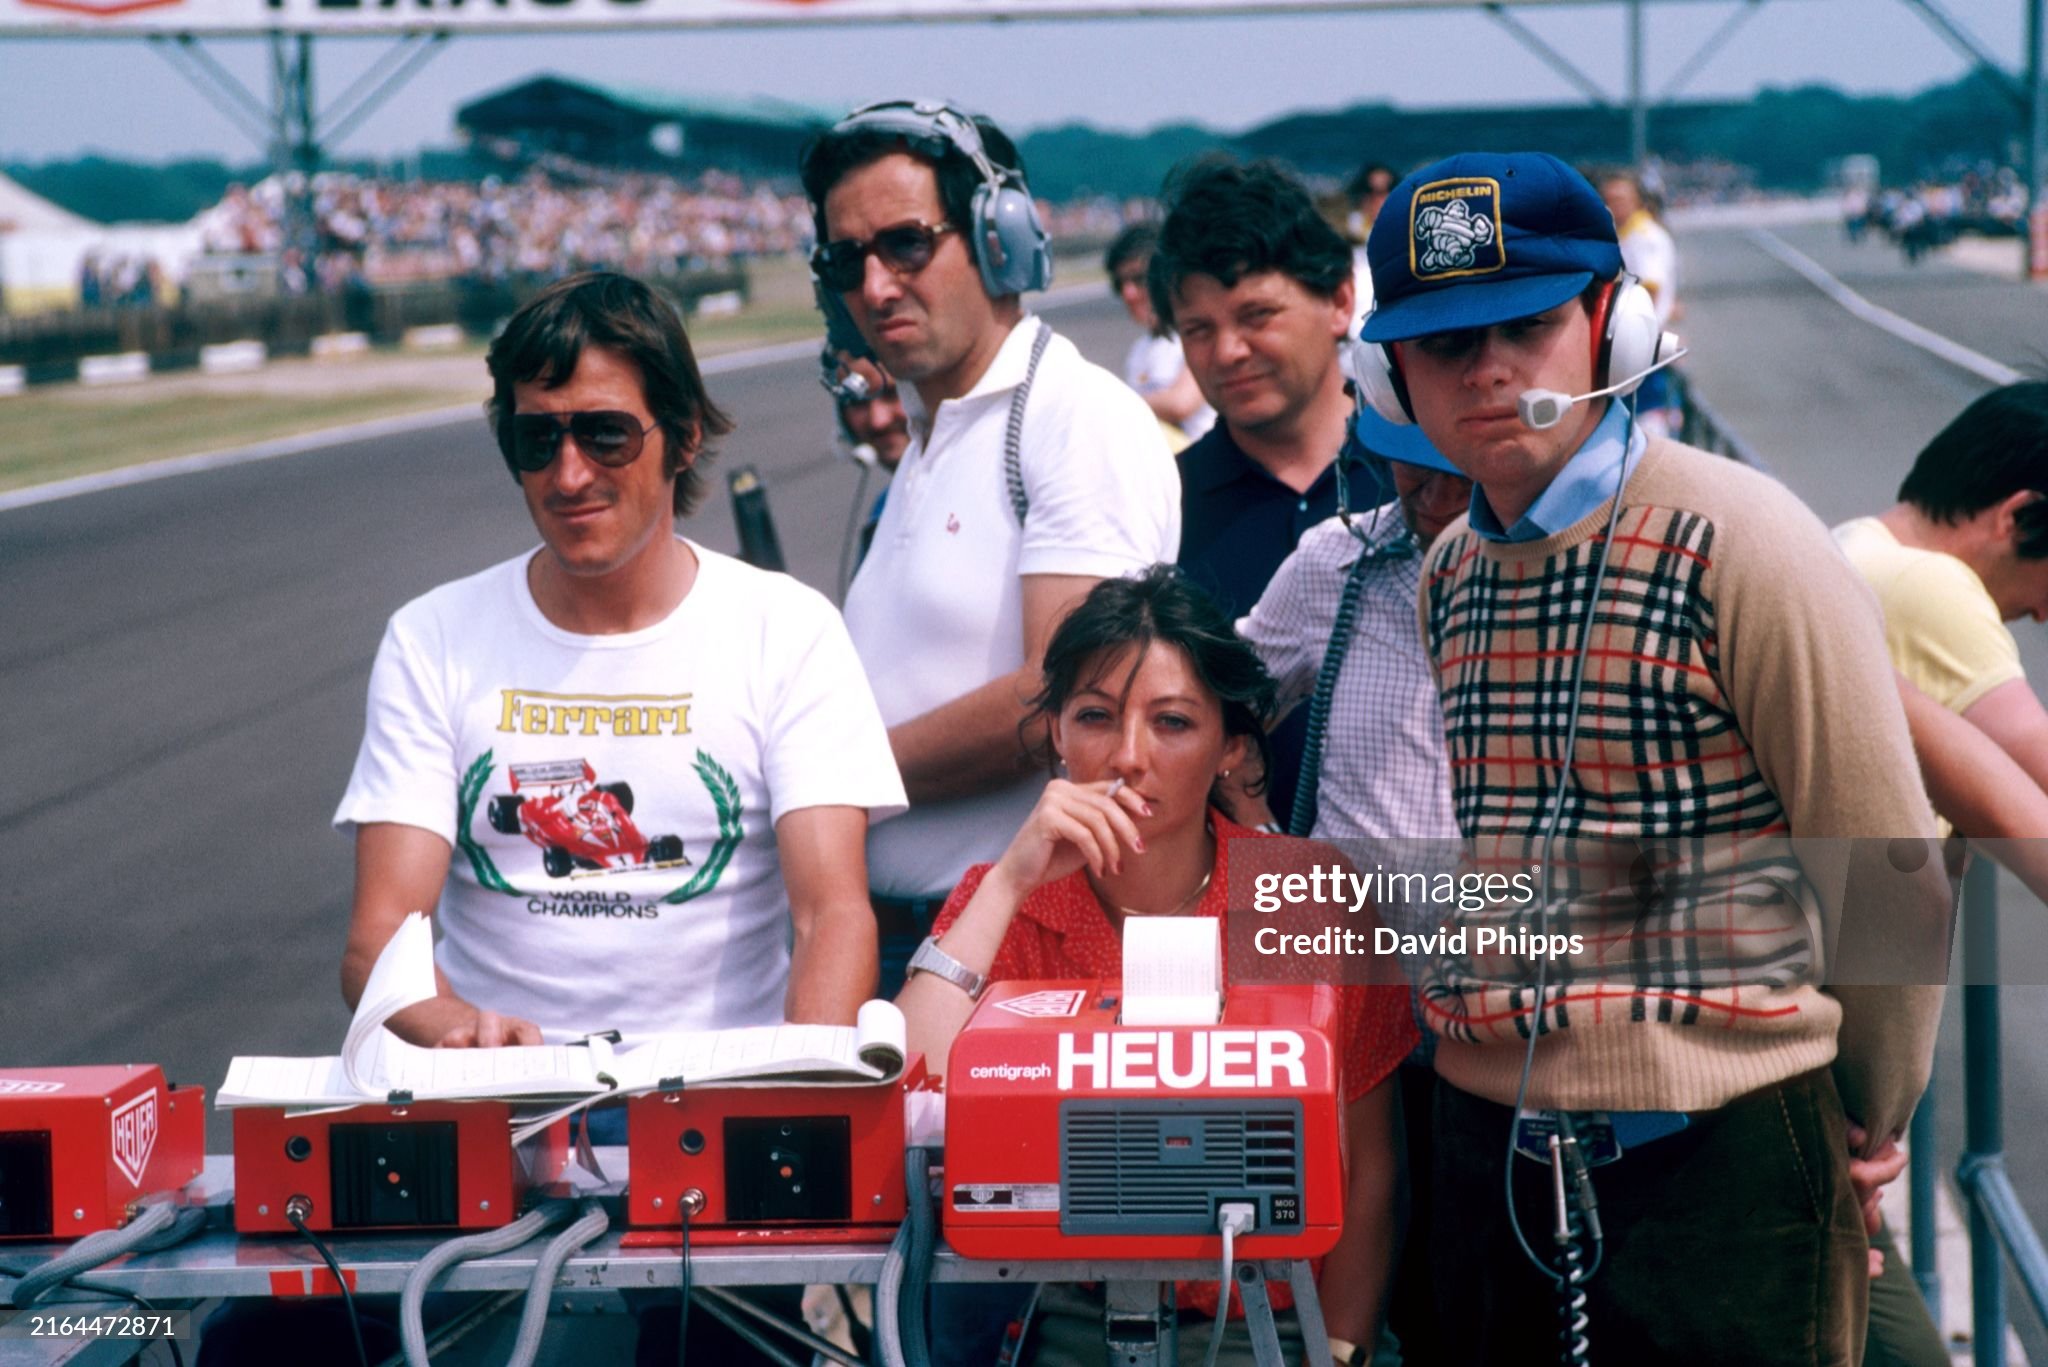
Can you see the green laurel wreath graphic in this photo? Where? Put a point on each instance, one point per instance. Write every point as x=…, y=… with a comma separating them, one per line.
x=467, y=794
x=725, y=797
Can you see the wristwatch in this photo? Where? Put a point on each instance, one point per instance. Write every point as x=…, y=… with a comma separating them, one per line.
x=937, y=962
x=1345, y=1353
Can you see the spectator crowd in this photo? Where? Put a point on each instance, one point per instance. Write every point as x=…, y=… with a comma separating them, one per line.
x=388, y=230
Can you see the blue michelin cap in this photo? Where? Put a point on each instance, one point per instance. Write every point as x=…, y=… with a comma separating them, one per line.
x=1484, y=238
x=1392, y=441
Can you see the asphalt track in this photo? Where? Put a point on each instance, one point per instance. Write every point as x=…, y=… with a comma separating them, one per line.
x=182, y=662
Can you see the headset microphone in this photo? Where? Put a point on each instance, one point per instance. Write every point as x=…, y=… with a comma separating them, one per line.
x=1543, y=409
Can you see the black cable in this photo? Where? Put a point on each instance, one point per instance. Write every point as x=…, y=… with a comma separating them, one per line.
x=1302, y=817
x=683, y=1317
x=1571, y=735
x=863, y=1340
x=348, y=1297
x=1574, y=1348
x=139, y=1302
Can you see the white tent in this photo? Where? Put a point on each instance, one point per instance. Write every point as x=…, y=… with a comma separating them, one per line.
x=23, y=210
x=43, y=247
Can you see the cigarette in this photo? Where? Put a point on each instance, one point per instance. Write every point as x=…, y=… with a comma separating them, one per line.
x=1115, y=787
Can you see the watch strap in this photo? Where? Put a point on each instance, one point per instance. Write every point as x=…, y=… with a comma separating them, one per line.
x=929, y=958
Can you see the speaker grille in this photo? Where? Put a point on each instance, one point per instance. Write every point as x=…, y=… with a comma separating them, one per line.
x=1162, y=1167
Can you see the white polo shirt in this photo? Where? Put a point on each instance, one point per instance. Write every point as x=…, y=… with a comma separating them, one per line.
x=937, y=610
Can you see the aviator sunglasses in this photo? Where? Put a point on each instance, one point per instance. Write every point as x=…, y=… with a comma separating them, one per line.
x=905, y=248
x=606, y=436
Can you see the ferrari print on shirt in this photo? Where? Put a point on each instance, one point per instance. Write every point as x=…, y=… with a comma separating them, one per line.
x=582, y=826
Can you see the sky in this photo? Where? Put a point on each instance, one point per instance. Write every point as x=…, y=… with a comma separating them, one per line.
x=61, y=98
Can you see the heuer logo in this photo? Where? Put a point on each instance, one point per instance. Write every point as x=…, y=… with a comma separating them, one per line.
x=100, y=9
x=135, y=1135
x=21, y=1086
x=1042, y=1004
x=1146, y=1060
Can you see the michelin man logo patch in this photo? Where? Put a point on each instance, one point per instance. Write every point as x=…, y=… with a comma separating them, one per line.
x=1454, y=229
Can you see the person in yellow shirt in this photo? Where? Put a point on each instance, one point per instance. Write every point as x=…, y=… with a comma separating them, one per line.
x=1963, y=552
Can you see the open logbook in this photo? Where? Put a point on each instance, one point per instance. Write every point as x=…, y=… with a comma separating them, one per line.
x=376, y=1066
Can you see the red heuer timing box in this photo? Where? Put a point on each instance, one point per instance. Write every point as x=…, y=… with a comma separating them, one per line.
x=1071, y=1135
x=80, y=1146
x=772, y=1164
x=424, y=1165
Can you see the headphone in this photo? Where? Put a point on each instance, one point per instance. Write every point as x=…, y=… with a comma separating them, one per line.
x=1626, y=342
x=1009, y=242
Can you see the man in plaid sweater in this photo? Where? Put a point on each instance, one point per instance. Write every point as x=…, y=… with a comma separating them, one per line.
x=1733, y=697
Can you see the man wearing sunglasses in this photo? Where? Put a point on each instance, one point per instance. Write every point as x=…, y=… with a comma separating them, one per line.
x=929, y=238
x=634, y=774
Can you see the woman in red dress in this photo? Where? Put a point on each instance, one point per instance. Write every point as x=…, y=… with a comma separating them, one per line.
x=1150, y=701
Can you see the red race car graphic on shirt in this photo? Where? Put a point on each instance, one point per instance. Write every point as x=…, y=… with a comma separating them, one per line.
x=583, y=827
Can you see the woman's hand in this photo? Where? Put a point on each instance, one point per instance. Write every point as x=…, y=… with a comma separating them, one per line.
x=1074, y=824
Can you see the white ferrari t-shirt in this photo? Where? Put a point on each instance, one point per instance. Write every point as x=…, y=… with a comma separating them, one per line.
x=611, y=800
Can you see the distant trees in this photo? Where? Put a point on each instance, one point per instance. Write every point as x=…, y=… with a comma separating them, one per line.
x=1787, y=138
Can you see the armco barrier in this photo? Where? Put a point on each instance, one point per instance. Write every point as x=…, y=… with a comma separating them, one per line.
x=49, y=347
x=2000, y=1229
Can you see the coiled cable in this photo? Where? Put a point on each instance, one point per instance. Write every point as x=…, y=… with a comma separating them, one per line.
x=889, y=1300
x=917, y=1272
x=412, y=1334
x=159, y=1225
x=533, y=1316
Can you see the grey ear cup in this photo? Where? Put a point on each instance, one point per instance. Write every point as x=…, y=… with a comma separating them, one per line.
x=1011, y=247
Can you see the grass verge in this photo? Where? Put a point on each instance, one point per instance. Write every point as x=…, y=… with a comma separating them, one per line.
x=62, y=432
x=54, y=436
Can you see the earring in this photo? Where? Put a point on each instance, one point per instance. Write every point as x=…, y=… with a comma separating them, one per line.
x=1224, y=774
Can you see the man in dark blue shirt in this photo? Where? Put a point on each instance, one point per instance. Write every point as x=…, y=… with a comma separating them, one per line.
x=1260, y=289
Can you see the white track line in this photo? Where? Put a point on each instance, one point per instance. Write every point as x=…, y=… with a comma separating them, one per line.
x=1955, y=353
x=240, y=455
x=411, y=422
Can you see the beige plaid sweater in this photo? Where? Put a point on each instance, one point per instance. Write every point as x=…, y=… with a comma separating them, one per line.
x=1739, y=720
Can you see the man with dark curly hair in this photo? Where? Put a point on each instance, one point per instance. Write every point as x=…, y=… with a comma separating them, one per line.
x=1260, y=290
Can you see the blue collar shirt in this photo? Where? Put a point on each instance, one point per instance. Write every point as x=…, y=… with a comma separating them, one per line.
x=1580, y=489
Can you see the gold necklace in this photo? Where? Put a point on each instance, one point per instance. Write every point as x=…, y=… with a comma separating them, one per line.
x=1177, y=907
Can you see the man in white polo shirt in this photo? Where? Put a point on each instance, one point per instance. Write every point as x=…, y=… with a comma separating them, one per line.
x=1031, y=475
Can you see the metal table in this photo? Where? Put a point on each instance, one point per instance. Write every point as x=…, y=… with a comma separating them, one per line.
x=218, y=1265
